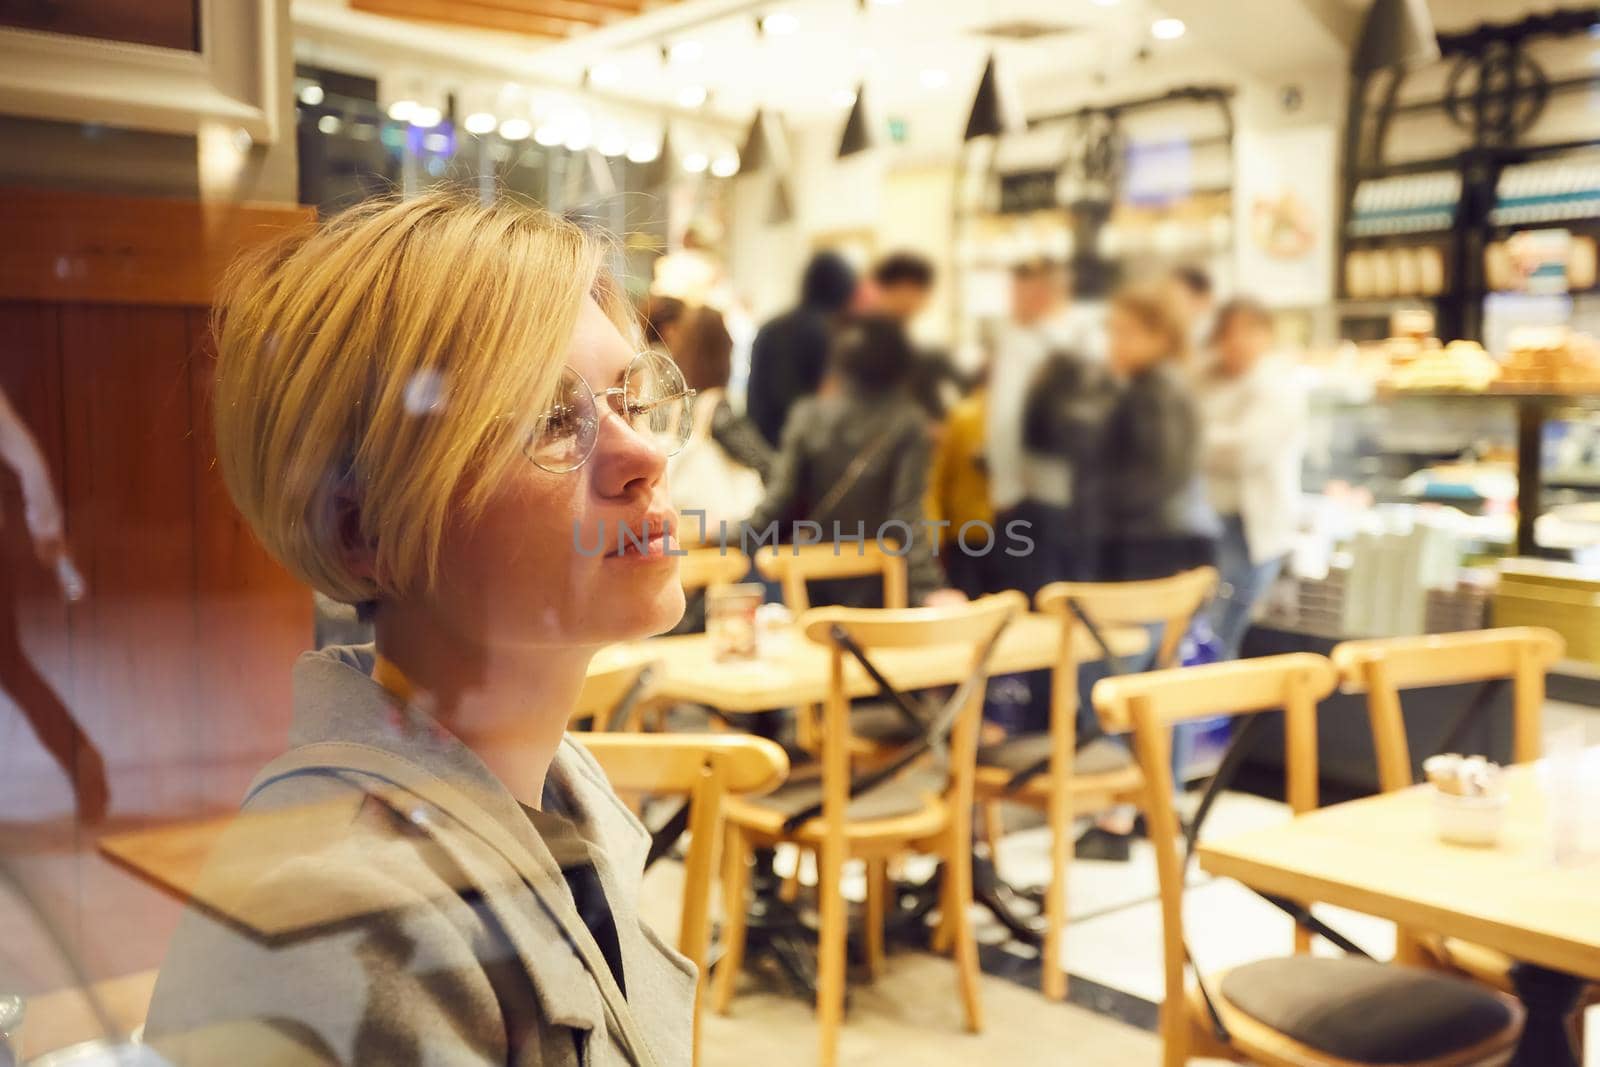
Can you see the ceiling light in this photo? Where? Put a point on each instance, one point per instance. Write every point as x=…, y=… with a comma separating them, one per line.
x=548, y=134
x=1167, y=29
x=685, y=52
x=779, y=23
x=436, y=142
x=311, y=95
x=691, y=96
x=577, y=140
x=843, y=97
x=695, y=162
x=934, y=78
x=604, y=74
x=644, y=152
x=426, y=117
x=725, y=166
x=329, y=124
x=401, y=110
x=612, y=144
x=480, y=123
x=516, y=129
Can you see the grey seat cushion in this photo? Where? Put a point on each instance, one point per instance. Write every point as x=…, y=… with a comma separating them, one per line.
x=883, y=723
x=1021, y=751
x=903, y=795
x=1363, y=1011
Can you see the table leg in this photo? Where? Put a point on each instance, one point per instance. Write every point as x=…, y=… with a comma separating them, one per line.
x=1550, y=997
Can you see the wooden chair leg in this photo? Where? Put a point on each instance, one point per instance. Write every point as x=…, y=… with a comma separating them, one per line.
x=877, y=899
x=1052, y=966
x=993, y=826
x=831, y=935
x=735, y=887
x=942, y=930
x=958, y=868
x=1302, y=941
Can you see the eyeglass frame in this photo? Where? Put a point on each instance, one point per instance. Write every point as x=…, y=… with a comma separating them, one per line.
x=604, y=404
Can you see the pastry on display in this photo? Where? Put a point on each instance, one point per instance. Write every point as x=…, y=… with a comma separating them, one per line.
x=1459, y=366
x=1551, y=357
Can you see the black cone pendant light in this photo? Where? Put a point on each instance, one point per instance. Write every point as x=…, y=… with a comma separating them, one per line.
x=985, y=119
x=782, y=209
x=857, y=131
x=755, y=154
x=1395, y=33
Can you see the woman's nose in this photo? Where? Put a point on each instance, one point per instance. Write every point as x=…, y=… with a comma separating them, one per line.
x=626, y=461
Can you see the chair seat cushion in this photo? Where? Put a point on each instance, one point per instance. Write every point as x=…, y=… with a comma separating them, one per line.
x=1363, y=1011
x=1021, y=751
x=883, y=723
x=903, y=795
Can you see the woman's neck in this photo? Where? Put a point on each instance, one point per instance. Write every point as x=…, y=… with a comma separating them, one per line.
x=509, y=704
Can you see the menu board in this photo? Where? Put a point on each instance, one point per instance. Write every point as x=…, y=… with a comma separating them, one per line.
x=160, y=23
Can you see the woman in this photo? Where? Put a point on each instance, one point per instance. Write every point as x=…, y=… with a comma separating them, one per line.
x=856, y=458
x=1254, y=417
x=414, y=413
x=1157, y=522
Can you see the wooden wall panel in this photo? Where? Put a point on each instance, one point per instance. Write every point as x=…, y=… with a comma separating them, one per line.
x=251, y=617
x=130, y=490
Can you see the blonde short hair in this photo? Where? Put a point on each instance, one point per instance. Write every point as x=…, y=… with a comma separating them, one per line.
x=379, y=371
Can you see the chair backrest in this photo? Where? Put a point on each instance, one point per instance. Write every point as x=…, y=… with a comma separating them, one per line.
x=705, y=768
x=792, y=566
x=605, y=688
x=1150, y=704
x=711, y=568
x=962, y=629
x=1382, y=667
x=1171, y=602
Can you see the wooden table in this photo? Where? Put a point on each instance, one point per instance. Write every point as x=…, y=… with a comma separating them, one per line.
x=794, y=671
x=1380, y=855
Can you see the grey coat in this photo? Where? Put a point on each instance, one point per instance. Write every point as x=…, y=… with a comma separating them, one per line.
x=822, y=438
x=387, y=932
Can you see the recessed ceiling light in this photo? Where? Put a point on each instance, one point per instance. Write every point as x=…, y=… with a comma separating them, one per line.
x=329, y=124
x=843, y=98
x=516, y=129
x=548, y=135
x=934, y=78
x=685, y=52
x=644, y=151
x=725, y=166
x=311, y=95
x=577, y=140
x=691, y=96
x=1167, y=29
x=426, y=117
x=436, y=142
x=401, y=110
x=779, y=23
x=695, y=162
x=480, y=123
x=604, y=74
x=612, y=144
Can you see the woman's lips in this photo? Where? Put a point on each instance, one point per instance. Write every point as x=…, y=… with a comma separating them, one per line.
x=654, y=547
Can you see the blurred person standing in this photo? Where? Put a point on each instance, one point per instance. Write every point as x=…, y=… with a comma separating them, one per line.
x=1253, y=418
x=856, y=456
x=958, y=493
x=790, y=354
x=1157, y=519
x=900, y=288
x=1194, y=296
x=662, y=319
x=1043, y=321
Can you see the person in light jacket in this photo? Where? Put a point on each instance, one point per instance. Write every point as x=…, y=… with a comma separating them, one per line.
x=415, y=410
x=1253, y=417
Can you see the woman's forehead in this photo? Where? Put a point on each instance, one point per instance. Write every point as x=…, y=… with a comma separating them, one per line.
x=598, y=351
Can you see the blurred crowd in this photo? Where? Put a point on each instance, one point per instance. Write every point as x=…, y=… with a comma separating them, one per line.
x=1153, y=433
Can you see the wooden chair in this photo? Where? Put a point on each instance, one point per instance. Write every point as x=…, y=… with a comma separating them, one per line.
x=614, y=697
x=708, y=769
x=1046, y=770
x=792, y=566
x=711, y=568
x=1298, y=1011
x=1383, y=667
x=894, y=817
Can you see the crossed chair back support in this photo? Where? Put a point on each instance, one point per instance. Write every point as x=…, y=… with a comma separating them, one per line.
x=1150, y=705
x=711, y=568
x=610, y=696
x=792, y=566
x=1384, y=667
x=705, y=769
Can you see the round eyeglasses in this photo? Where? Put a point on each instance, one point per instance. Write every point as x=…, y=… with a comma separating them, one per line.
x=653, y=400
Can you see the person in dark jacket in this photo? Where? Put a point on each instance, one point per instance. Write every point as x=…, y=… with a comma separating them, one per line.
x=1064, y=437
x=857, y=456
x=1157, y=520
x=790, y=353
